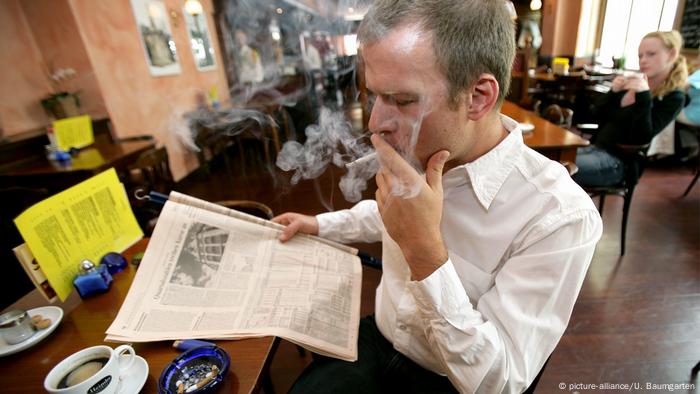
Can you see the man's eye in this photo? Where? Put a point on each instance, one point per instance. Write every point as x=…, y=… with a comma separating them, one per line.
x=404, y=102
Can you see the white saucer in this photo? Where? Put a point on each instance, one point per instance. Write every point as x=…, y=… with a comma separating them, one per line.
x=526, y=127
x=134, y=378
x=48, y=312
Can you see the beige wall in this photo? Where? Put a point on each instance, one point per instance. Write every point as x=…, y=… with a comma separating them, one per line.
x=137, y=102
x=23, y=80
x=56, y=34
x=560, y=20
x=101, y=41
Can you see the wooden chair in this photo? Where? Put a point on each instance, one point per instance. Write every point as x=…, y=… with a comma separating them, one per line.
x=696, y=129
x=560, y=116
x=634, y=158
x=254, y=208
x=150, y=172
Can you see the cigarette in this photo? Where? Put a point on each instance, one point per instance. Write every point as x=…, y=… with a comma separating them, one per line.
x=188, y=344
x=361, y=160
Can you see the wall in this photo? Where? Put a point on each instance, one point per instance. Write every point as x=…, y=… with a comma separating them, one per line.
x=56, y=35
x=560, y=22
x=137, y=102
x=23, y=80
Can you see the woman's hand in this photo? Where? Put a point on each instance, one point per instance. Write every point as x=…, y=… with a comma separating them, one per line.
x=634, y=85
x=637, y=83
x=296, y=223
x=411, y=208
x=618, y=83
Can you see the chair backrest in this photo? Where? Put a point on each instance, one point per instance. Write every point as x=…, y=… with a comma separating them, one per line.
x=254, y=208
x=558, y=115
x=152, y=171
x=634, y=157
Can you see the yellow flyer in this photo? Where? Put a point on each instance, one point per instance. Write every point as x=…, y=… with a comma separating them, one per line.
x=86, y=221
x=75, y=132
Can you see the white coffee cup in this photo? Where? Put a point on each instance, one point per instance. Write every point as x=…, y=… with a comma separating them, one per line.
x=104, y=381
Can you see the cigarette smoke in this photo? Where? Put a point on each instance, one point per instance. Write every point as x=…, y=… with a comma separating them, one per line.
x=332, y=141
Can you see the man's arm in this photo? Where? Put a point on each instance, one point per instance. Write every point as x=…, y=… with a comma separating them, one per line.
x=361, y=223
x=499, y=344
x=411, y=208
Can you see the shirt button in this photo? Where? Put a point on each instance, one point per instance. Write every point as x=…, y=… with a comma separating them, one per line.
x=402, y=327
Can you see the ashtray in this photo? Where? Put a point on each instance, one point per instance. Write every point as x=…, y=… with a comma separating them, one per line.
x=198, y=370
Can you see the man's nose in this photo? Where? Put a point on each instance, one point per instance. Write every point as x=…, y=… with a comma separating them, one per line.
x=382, y=119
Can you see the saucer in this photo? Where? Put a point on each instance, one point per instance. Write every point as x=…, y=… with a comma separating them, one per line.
x=48, y=312
x=526, y=127
x=134, y=378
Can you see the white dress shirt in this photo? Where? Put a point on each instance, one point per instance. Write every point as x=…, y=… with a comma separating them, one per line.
x=520, y=235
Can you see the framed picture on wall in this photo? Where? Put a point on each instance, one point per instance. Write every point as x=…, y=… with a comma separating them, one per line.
x=200, y=41
x=156, y=37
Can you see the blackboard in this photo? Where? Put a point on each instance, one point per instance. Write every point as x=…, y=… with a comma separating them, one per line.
x=690, y=24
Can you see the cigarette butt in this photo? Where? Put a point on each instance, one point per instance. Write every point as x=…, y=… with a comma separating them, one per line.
x=188, y=344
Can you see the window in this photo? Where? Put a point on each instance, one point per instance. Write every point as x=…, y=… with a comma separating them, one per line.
x=626, y=22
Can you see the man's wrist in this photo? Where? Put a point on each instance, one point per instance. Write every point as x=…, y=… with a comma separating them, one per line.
x=423, y=261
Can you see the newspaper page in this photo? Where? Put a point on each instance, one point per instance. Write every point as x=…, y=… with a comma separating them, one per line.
x=211, y=272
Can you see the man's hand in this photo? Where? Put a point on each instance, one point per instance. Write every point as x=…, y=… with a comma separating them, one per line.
x=412, y=215
x=296, y=223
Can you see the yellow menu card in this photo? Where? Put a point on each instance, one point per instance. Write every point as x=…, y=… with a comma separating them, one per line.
x=75, y=132
x=85, y=221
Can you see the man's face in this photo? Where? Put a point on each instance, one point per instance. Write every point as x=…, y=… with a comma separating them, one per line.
x=411, y=106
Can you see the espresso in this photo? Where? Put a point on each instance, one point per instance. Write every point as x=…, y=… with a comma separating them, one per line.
x=82, y=372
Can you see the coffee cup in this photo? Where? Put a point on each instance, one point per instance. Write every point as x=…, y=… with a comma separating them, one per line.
x=90, y=371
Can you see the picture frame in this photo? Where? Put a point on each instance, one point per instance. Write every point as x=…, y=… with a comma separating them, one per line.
x=200, y=40
x=156, y=37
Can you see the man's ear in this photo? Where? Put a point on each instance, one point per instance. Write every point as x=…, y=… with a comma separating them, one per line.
x=484, y=95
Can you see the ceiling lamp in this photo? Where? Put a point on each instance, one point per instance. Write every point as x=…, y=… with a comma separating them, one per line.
x=535, y=5
x=193, y=7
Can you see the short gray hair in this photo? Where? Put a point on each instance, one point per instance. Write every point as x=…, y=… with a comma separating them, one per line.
x=470, y=37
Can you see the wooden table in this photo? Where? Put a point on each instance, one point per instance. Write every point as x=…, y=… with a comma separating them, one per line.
x=84, y=325
x=547, y=138
x=38, y=171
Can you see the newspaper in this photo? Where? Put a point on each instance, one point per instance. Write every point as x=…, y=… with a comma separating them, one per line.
x=212, y=272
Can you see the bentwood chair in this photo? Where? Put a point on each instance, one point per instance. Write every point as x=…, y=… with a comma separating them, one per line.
x=254, y=208
x=634, y=158
x=696, y=129
x=150, y=173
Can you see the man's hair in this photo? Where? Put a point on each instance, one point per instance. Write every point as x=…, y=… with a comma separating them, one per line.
x=679, y=70
x=470, y=37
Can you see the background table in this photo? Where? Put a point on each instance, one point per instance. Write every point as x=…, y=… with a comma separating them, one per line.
x=547, y=138
x=84, y=325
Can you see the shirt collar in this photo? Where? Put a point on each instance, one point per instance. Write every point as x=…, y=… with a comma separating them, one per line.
x=488, y=173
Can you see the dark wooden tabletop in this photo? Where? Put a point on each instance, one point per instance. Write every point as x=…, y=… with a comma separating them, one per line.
x=547, y=138
x=84, y=324
x=94, y=159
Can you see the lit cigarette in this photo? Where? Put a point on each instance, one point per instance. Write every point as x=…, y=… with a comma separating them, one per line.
x=361, y=160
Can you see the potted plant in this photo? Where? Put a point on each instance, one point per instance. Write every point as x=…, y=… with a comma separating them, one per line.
x=63, y=103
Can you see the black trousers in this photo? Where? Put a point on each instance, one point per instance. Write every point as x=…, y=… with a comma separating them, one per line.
x=379, y=369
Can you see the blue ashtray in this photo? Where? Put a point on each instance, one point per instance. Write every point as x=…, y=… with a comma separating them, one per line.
x=198, y=370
